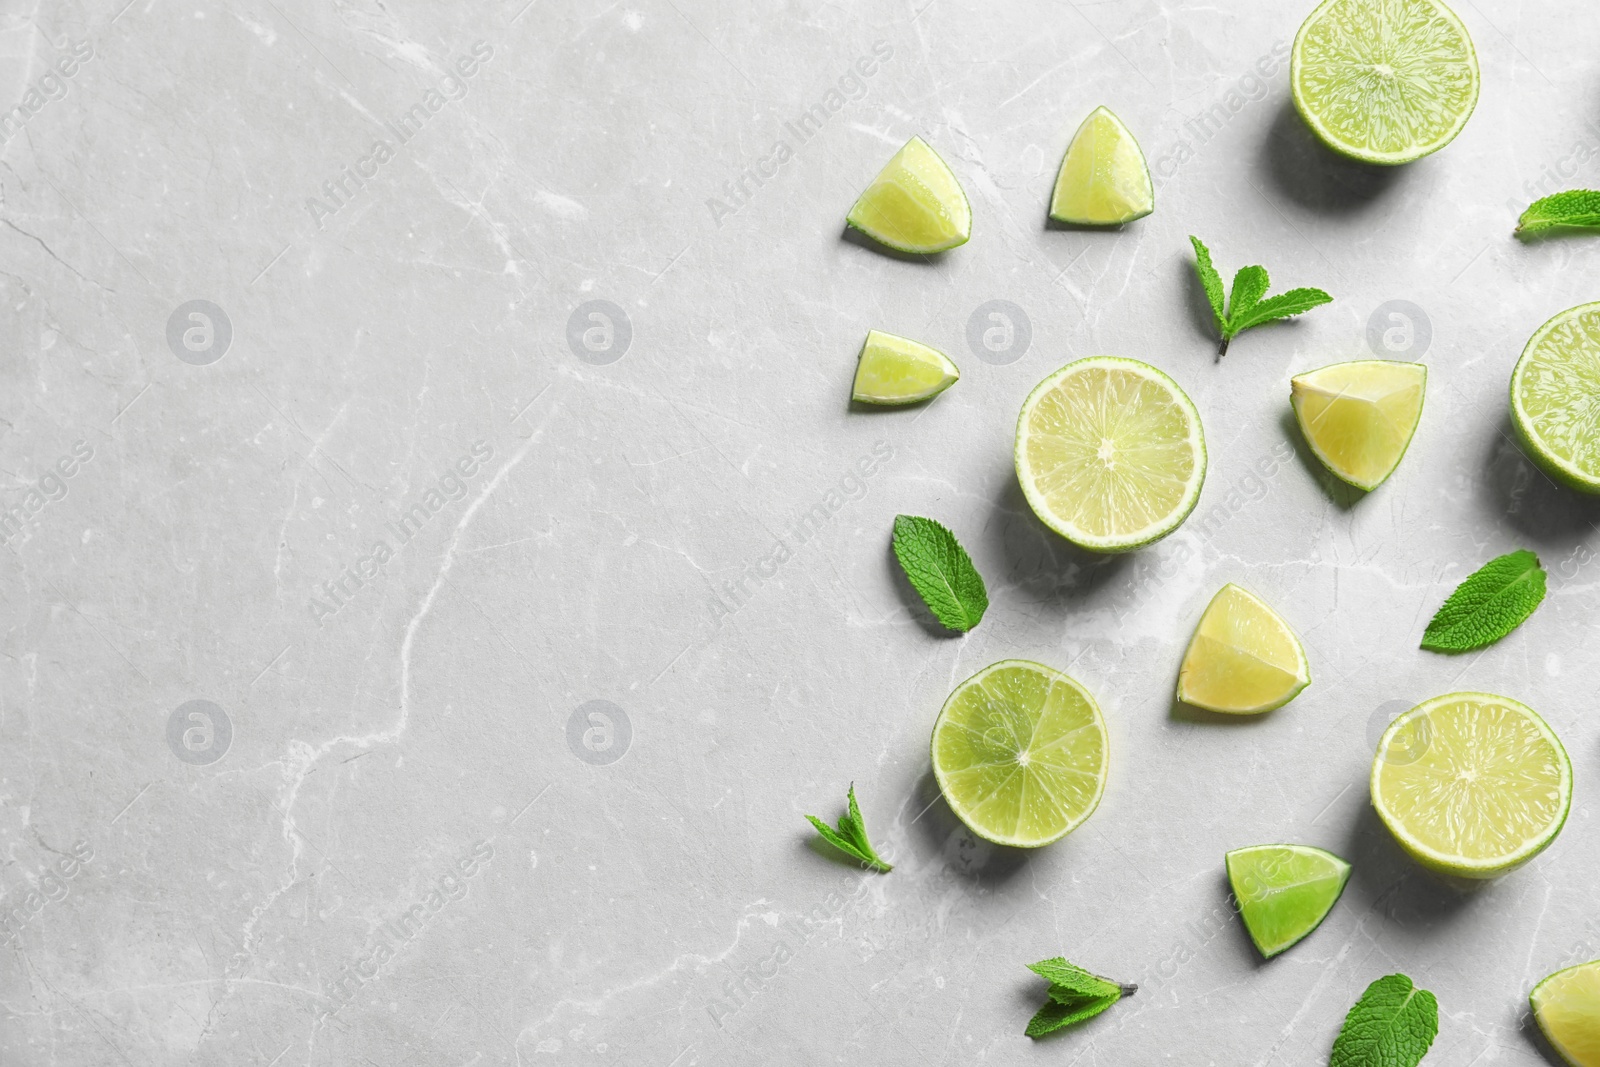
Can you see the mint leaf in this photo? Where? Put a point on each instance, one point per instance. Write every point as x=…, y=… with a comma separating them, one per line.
x=1210, y=280
x=1282, y=306
x=1070, y=979
x=1575, y=207
x=851, y=837
x=940, y=571
x=1249, y=286
x=1246, y=308
x=1075, y=995
x=1392, y=1025
x=1494, y=600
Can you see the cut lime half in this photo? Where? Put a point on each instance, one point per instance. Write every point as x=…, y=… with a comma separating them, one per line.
x=1359, y=417
x=914, y=204
x=1243, y=659
x=896, y=370
x=1567, y=1007
x=1488, y=788
x=1384, y=81
x=1284, y=891
x=1020, y=753
x=1555, y=397
x=1110, y=453
x=1103, y=179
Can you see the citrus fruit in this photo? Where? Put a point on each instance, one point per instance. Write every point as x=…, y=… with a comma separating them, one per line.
x=1284, y=891
x=1243, y=659
x=1359, y=417
x=1110, y=453
x=914, y=204
x=1384, y=81
x=1103, y=179
x=896, y=370
x=1567, y=1007
x=1555, y=397
x=1487, y=791
x=1020, y=753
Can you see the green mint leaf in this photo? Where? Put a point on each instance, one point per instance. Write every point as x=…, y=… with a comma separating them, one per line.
x=1058, y=1014
x=1494, y=600
x=1282, y=306
x=1575, y=207
x=1070, y=978
x=851, y=836
x=1246, y=308
x=940, y=571
x=1392, y=1025
x=1210, y=281
x=1249, y=286
x=1075, y=995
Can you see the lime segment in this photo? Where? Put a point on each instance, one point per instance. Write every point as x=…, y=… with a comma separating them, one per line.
x=1020, y=753
x=1243, y=659
x=897, y=370
x=1110, y=453
x=1567, y=1006
x=1103, y=179
x=1284, y=891
x=1555, y=397
x=1359, y=417
x=1472, y=784
x=1384, y=81
x=914, y=204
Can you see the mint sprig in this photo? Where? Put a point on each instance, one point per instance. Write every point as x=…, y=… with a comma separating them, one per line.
x=1245, y=307
x=851, y=836
x=940, y=571
x=1075, y=996
x=1575, y=208
x=1392, y=1025
x=1494, y=600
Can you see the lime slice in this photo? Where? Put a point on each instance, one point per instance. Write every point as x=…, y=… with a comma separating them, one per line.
x=1478, y=784
x=1284, y=891
x=914, y=204
x=1384, y=81
x=1110, y=453
x=897, y=370
x=1243, y=659
x=1020, y=753
x=1103, y=179
x=1567, y=1006
x=1555, y=397
x=1359, y=417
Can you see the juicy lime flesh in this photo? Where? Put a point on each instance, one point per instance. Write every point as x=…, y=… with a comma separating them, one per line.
x=1243, y=657
x=1477, y=789
x=1555, y=395
x=1284, y=891
x=1567, y=1006
x=1359, y=417
x=1387, y=81
x=915, y=203
x=896, y=370
x=1103, y=179
x=1110, y=453
x=1020, y=753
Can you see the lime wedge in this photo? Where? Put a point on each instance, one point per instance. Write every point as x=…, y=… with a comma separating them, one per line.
x=1103, y=179
x=1553, y=394
x=1359, y=417
x=1110, y=453
x=1567, y=1006
x=1243, y=659
x=1477, y=784
x=914, y=204
x=897, y=370
x=1020, y=753
x=1384, y=81
x=1284, y=891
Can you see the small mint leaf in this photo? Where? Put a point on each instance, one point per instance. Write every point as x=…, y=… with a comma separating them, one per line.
x=1075, y=995
x=1494, y=600
x=1249, y=286
x=851, y=836
x=1282, y=306
x=941, y=572
x=1058, y=1014
x=1210, y=281
x=1392, y=1025
x=1576, y=207
x=1070, y=977
x=1246, y=306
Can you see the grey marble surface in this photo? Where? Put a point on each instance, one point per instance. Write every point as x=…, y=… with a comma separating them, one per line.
x=398, y=510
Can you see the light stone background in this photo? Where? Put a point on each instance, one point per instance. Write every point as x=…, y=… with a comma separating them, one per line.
x=620, y=541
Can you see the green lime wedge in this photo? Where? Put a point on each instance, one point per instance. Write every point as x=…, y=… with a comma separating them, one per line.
x=1103, y=179
x=1555, y=397
x=896, y=370
x=1019, y=751
x=1243, y=659
x=1359, y=417
x=1567, y=1007
x=1384, y=81
x=914, y=204
x=1284, y=891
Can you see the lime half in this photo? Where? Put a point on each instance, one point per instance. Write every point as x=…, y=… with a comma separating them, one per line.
x=914, y=204
x=1020, y=753
x=1284, y=891
x=1555, y=397
x=1567, y=1006
x=897, y=370
x=1110, y=453
x=1243, y=659
x=1488, y=788
x=1359, y=417
x=1384, y=81
x=1103, y=179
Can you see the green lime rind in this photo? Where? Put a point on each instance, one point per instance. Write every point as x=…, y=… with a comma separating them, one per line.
x=1284, y=892
x=1576, y=377
x=1572, y=1029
